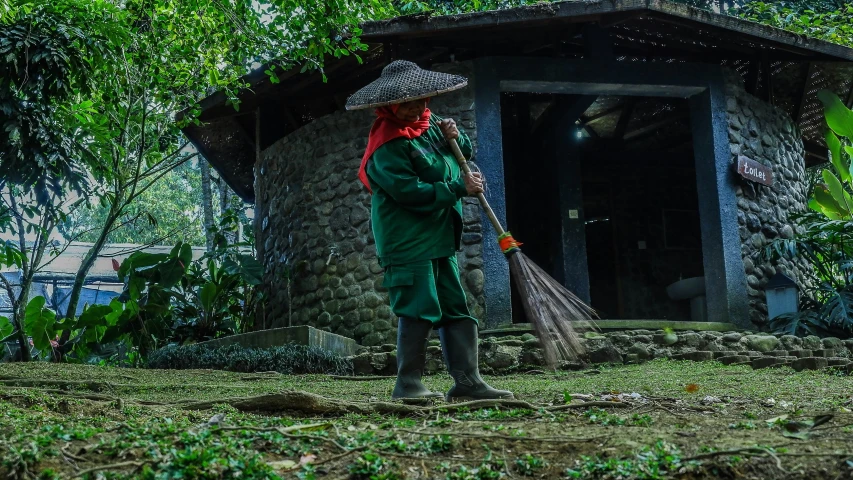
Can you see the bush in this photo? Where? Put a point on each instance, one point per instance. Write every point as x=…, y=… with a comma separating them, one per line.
x=286, y=359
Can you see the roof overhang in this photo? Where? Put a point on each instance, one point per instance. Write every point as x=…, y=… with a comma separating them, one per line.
x=231, y=139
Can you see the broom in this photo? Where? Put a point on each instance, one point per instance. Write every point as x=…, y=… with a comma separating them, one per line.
x=550, y=307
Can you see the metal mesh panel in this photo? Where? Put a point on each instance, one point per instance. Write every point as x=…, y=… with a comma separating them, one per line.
x=402, y=81
x=823, y=77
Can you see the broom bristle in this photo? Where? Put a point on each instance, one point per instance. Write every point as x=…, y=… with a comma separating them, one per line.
x=555, y=312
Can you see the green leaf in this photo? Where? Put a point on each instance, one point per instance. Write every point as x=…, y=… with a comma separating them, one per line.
x=841, y=197
x=838, y=117
x=207, y=294
x=39, y=322
x=827, y=202
x=247, y=267
x=6, y=328
x=139, y=261
x=849, y=162
x=834, y=145
x=95, y=316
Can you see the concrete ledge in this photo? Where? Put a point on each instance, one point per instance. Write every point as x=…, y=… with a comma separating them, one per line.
x=604, y=325
x=302, y=335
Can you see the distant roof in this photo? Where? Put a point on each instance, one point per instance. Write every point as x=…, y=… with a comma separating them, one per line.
x=66, y=264
x=788, y=68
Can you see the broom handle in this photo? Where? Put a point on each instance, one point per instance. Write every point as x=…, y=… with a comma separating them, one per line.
x=463, y=164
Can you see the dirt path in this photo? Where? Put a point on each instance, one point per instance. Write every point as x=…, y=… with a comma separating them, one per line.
x=658, y=420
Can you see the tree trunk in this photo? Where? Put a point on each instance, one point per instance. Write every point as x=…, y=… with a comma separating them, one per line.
x=80, y=278
x=226, y=202
x=83, y=272
x=207, y=201
x=19, y=312
x=17, y=320
x=23, y=299
x=241, y=214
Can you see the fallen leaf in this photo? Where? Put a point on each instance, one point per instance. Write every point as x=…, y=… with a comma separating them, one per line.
x=692, y=388
x=821, y=419
x=310, y=427
x=798, y=435
x=283, y=464
x=778, y=419
x=307, y=458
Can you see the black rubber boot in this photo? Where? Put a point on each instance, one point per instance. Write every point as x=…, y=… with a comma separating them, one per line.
x=459, y=345
x=412, y=336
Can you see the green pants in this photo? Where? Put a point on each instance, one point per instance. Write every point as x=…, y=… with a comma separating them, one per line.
x=427, y=290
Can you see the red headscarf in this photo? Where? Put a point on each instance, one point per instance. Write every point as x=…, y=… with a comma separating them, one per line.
x=386, y=128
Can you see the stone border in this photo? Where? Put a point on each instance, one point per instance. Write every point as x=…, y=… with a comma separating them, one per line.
x=276, y=337
x=514, y=354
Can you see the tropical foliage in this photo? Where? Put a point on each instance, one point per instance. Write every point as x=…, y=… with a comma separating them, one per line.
x=827, y=242
x=93, y=95
x=825, y=19
x=167, y=298
x=169, y=211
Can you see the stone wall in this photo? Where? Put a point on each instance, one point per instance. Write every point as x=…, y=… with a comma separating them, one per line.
x=767, y=135
x=313, y=227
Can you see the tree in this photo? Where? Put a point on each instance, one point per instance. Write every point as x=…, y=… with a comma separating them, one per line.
x=207, y=204
x=44, y=154
x=176, y=52
x=168, y=212
x=44, y=81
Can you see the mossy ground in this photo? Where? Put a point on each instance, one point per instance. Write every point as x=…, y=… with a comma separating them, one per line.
x=51, y=430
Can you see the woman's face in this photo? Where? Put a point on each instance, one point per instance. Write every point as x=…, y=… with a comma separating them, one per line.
x=412, y=111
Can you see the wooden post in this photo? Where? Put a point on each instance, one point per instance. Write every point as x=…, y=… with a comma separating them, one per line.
x=259, y=307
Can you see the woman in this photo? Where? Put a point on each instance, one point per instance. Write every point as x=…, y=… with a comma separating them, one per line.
x=416, y=211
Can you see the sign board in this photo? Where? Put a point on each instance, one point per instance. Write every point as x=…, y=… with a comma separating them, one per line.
x=754, y=171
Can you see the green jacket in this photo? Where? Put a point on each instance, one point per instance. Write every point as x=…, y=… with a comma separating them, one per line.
x=416, y=207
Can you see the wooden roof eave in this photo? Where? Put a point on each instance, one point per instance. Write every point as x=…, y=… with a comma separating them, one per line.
x=574, y=12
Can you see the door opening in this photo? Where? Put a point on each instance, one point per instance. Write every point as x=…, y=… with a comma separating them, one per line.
x=640, y=206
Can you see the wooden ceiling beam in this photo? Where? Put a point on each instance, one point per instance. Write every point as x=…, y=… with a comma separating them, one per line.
x=804, y=93
x=654, y=126
x=752, y=77
x=625, y=118
x=602, y=114
x=767, y=79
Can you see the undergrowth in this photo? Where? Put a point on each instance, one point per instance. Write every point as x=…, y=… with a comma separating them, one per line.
x=286, y=359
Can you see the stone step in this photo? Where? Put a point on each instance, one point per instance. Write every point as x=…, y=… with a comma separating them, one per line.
x=837, y=361
x=734, y=359
x=766, y=362
x=800, y=353
x=809, y=363
x=718, y=355
x=698, y=356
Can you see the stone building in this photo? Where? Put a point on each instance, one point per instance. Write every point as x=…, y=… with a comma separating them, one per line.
x=609, y=133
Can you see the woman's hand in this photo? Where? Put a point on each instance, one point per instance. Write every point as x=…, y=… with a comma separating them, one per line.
x=448, y=128
x=473, y=183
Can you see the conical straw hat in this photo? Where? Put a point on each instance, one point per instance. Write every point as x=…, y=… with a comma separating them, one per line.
x=402, y=81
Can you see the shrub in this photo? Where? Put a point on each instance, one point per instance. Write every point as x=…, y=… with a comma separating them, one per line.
x=286, y=359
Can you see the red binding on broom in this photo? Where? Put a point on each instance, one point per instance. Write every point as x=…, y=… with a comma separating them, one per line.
x=554, y=311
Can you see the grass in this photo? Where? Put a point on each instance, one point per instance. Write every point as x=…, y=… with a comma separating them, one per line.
x=46, y=434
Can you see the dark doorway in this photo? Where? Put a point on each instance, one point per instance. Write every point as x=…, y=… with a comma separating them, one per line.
x=640, y=204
